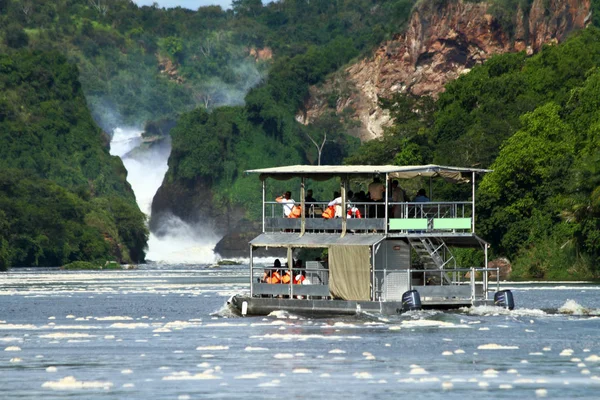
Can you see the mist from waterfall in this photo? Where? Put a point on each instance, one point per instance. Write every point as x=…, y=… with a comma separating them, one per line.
x=146, y=165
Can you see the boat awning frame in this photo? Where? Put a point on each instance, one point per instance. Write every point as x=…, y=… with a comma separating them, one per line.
x=325, y=172
x=314, y=240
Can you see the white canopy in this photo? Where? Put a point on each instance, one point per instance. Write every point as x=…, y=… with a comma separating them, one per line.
x=324, y=172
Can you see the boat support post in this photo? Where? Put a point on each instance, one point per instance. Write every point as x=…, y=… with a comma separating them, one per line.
x=251, y=273
x=387, y=196
x=473, y=205
x=263, y=206
x=343, y=187
x=303, y=214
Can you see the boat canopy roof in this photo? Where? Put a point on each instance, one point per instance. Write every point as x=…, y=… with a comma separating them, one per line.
x=325, y=172
x=314, y=240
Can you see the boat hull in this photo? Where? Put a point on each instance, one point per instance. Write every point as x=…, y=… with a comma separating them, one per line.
x=320, y=307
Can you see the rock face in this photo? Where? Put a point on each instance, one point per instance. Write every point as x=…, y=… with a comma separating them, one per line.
x=192, y=203
x=439, y=44
x=504, y=268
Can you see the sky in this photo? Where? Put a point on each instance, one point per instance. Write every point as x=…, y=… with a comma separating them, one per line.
x=191, y=4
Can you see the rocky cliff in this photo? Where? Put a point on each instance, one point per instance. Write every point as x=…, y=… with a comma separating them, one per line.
x=440, y=43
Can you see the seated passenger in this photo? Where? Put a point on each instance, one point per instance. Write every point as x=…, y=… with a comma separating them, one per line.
x=273, y=275
x=421, y=196
x=310, y=208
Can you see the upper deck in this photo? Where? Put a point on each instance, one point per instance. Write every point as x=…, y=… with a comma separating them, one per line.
x=439, y=218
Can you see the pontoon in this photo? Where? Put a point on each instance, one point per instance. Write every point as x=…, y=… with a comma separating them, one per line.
x=397, y=257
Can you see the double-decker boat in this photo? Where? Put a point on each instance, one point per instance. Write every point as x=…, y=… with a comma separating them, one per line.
x=397, y=257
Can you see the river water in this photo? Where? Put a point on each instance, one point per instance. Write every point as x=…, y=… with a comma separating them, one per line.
x=165, y=332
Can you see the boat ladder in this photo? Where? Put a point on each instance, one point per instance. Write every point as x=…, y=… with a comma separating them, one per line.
x=434, y=254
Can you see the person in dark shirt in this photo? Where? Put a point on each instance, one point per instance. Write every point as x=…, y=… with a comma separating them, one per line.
x=310, y=208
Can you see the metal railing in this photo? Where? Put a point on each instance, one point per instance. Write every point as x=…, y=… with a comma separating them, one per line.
x=403, y=217
x=315, y=284
x=465, y=283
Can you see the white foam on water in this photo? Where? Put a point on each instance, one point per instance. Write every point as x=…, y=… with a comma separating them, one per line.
x=20, y=327
x=303, y=337
x=283, y=356
x=12, y=348
x=505, y=386
x=427, y=323
x=51, y=369
x=254, y=375
x=134, y=325
x=572, y=307
x=186, y=376
x=337, y=351
x=566, y=353
x=126, y=371
x=483, y=384
x=593, y=358
x=113, y=318
x=418, y=371
x=11, y=339
x=301, y=371
x=273, y=383
x=70, y=383
x=215, y=348
x=459, y=351
x=249, y=348
x=447, y=353
x=15, y=360
x=362, y=375
x=65, y=335
x=447, y=385
x=494, y=346
x=541, y=392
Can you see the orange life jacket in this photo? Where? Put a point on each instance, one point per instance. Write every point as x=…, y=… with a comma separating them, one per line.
x=329, y=212
x=296, y=212
x=298, y=279
x=273, y=278
x=286, y=278
x=354, y=213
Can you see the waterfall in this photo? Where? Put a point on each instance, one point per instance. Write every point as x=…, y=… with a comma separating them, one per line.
x=146, y=165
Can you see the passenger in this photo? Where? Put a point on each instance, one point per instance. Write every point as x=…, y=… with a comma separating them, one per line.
x=273, y=275
x=398, y=196
x=376, y=192
x=421, y=197
x=288, y=203
x=286, y=277
x=376, y=189
x=337, y=203
x=310, y=208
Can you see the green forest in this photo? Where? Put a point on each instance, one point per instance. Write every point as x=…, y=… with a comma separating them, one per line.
x=63, y=198
x=533, y=120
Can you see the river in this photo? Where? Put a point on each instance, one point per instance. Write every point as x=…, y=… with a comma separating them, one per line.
x=165, y=332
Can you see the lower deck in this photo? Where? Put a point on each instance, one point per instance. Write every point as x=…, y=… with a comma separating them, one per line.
x=324, y=307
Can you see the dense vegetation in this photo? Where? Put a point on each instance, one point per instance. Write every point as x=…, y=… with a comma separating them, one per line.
x=62, y=196
x=534, y=121
x=204, y=55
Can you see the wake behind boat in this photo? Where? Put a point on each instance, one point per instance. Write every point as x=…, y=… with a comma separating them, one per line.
x=392, y=257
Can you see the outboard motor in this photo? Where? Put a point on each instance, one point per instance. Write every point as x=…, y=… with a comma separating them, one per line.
x=411, y=300
x=504, y=299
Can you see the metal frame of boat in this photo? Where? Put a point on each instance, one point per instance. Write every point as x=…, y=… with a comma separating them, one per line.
x=370, y=259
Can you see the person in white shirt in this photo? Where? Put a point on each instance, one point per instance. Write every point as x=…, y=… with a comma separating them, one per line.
x=287, y=201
